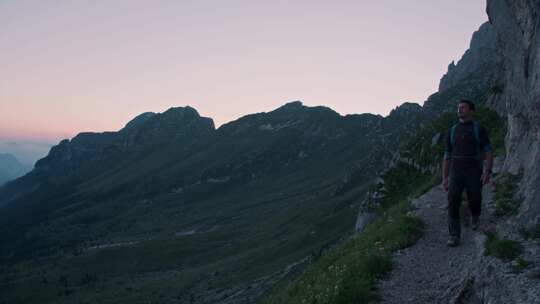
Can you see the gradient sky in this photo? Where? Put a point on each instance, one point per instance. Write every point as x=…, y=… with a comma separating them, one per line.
x=73, y=66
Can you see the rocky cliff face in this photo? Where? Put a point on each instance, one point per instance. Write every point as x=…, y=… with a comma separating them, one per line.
x=473, y=77
x=477, y=62
x=516, y=25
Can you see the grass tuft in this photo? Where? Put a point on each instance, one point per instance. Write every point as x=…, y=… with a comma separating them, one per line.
x=504, y=249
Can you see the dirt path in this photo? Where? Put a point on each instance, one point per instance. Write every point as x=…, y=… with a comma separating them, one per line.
x=431, y=272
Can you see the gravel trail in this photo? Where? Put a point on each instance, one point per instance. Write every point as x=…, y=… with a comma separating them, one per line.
x=431, y=272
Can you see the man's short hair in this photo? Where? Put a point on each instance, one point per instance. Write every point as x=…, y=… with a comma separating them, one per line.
x=469, y=103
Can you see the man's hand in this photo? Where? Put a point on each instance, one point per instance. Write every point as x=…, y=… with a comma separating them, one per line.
x=445, y=184
x=486, y=176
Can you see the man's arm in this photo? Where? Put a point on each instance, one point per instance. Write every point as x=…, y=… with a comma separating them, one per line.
x=488, y=156
x=488, y=164
x=445, y=173
x=446, y=161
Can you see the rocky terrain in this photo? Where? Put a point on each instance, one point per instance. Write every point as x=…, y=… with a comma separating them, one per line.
x=479, y=58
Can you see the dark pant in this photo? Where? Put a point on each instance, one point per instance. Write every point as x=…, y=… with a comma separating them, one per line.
x=467, y=178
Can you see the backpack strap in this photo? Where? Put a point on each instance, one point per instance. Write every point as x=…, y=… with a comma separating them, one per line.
x=453, y=135
x=476, y=132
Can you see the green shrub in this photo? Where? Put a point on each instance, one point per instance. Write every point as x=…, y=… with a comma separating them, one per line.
x=503, y=249
x=505, y=195
x=505, y=192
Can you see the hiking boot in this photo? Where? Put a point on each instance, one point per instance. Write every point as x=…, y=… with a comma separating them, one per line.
x=475, y=223
x=453, y=241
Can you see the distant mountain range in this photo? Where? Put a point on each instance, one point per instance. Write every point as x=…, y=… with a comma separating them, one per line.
x=26, y=151
x=11, y=168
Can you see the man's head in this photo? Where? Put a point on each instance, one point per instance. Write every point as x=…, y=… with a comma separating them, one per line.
x=465, y=109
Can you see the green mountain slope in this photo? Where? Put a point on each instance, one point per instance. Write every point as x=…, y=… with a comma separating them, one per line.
x=260, y=192
x=171, y=210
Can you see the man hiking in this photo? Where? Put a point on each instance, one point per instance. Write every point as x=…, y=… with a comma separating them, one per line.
x=467, y=146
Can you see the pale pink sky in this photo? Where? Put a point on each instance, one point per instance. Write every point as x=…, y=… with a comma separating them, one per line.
x=74, y=66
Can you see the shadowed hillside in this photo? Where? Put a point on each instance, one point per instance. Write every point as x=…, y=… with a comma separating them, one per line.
x=173, y=210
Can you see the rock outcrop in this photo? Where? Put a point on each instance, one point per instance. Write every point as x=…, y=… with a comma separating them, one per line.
x=475, y=75
x=479, y=61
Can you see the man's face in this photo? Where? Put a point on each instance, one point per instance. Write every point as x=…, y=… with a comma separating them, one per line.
x=464, y=111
